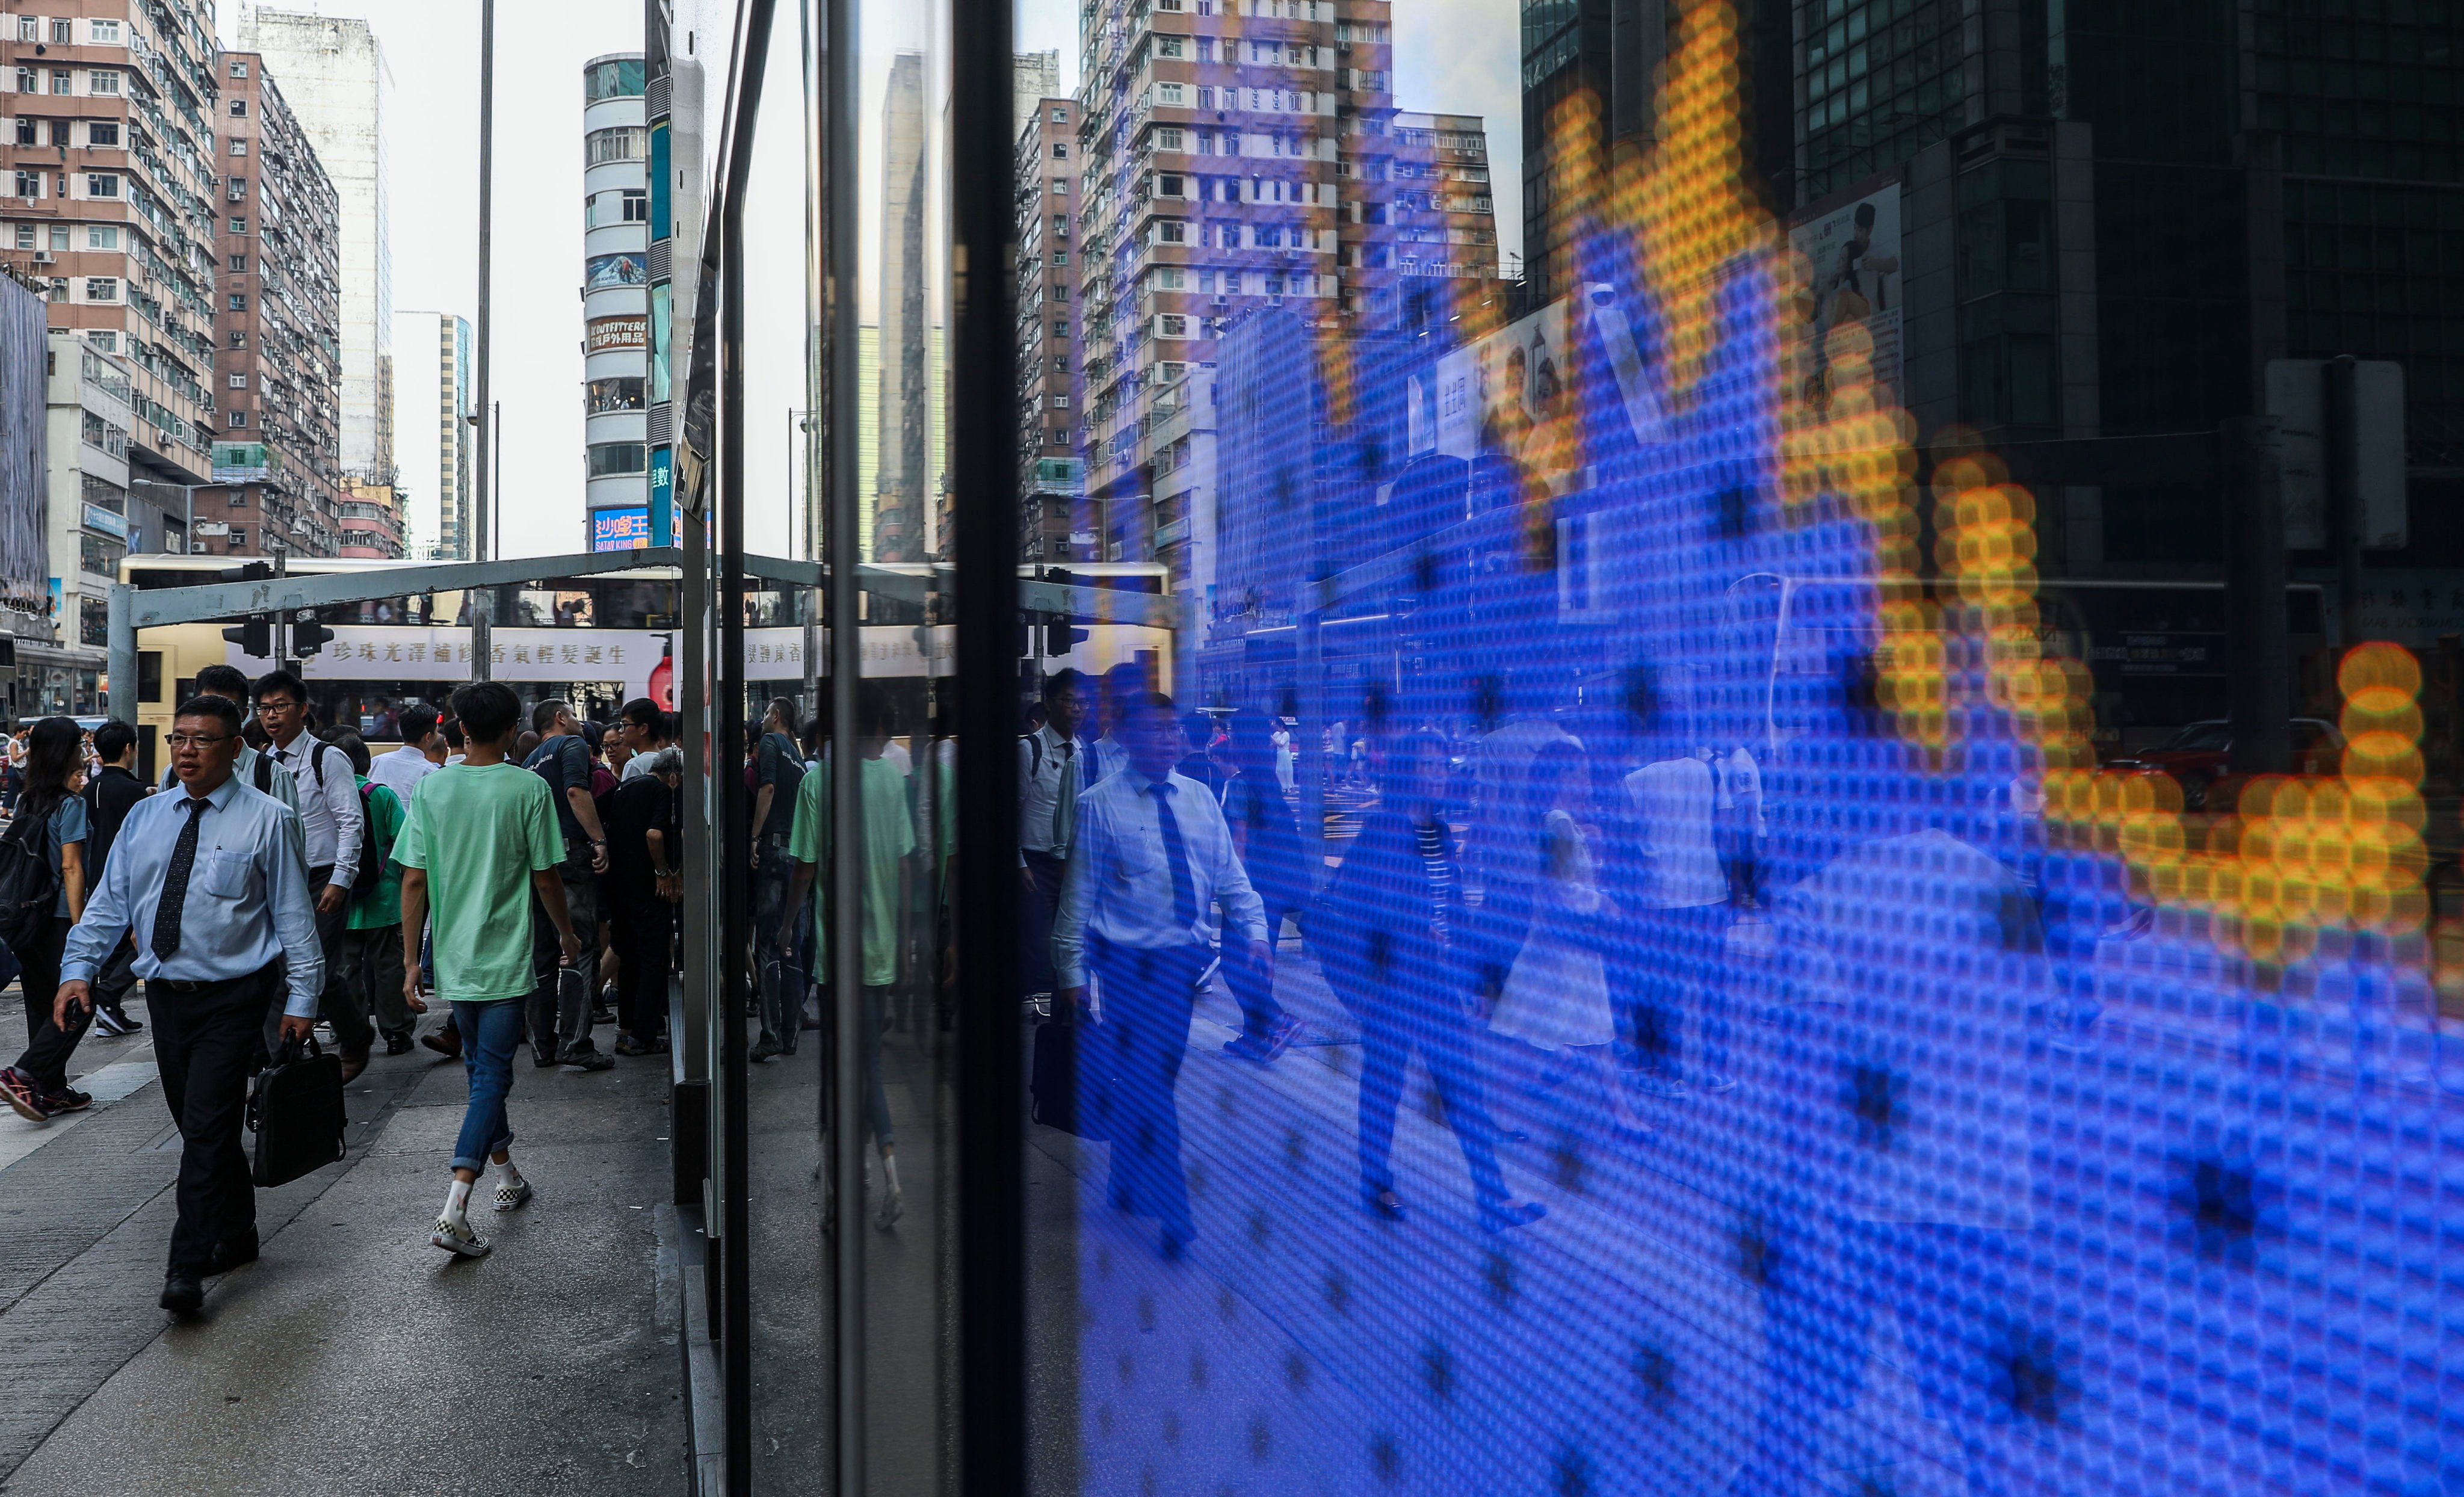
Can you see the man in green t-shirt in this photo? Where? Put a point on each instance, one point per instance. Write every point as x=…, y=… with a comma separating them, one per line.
x=889, y=840
x=369, y=957
x=479, y=855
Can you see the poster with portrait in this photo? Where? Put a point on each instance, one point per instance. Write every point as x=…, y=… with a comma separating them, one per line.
x=1851, y=244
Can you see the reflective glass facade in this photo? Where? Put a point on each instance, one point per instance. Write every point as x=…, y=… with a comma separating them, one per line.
x=1809, y=848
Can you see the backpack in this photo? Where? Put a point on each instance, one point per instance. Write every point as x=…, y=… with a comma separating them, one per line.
x=30, y=890
x=374, y=856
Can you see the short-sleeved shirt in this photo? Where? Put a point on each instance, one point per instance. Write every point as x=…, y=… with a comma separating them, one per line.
x=782, y=768
x=381, y=905
x=889, y=837
x=641, y=805
x=564, y=761
x=69, y=823
x=480, y=832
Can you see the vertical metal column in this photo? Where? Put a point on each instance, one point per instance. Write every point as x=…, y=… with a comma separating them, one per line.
x=991, y=1164
x=834, y=71
x=481, y=603
x=123, y=700
x=735, y=841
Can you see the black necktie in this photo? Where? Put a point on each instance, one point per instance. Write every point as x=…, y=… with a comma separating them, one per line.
x=175, y=880
x=1184, y=893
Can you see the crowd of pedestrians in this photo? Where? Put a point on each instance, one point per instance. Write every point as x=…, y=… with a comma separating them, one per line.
x=1536, y=916
x=281, y=881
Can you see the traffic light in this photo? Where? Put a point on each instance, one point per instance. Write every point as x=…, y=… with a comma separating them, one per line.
x=307, y=635
x=1059, y=638
x=255, y=637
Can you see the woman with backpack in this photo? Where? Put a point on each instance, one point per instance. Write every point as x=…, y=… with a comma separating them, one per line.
x=42, y=894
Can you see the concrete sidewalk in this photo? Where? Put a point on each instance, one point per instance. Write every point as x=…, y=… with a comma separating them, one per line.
x=353, y=1357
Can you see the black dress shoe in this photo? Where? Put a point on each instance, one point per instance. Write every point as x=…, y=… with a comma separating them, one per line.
x=397, y=1045
x=183, y=1292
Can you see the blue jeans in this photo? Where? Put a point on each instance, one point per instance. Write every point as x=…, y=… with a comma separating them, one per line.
x=491, y=1033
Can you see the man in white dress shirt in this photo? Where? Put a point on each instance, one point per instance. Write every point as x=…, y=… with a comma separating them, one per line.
x=1151, y=860
x=422, y=754
x=1055, y=767
x=333, y=824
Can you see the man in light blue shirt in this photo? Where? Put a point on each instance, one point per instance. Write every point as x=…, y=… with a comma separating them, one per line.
x=210, y=881
x=1151, y=861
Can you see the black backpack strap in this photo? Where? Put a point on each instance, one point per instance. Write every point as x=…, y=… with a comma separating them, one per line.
x=1035, y=742
x=264, y=774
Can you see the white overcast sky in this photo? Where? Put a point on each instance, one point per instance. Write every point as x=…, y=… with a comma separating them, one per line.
x=1455, y=56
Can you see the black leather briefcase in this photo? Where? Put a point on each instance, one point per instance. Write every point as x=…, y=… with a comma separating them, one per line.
x=295, y=1111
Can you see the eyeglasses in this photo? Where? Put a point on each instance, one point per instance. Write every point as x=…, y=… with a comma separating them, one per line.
x=176, y=741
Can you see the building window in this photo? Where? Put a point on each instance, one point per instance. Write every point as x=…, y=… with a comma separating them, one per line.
x=102, y=184
x=239, y=69
x=105, y=83
x=239, y=146
x=1061, y=117
x=238, y=532
x=30, y=183
x=60, y=133
x=239, y=302
x=637, y=206
x=103, y=133
x=617, y=459
x=1167, y=139
x=29, y=29
x=1060, y=151
x=59, y=237
x=238, y=381
x=102, y=288
x=1060, y=186
x=106, y=33
x=239, y=418
x=27, y=132
x=240, y=108
x=239, y=264
x=1174, y=325
x=239, y=225
x=60, y=81
x=1172, y=230
x=27, y=82
x=239, y=340
x=623, y=393
x=623, y=143
x=240, y=498
x=1059, y=327
x=25, y=236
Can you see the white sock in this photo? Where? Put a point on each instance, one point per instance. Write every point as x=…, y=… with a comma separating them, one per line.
x=507, y=1174
x=889, y=1172
x=458, y=1200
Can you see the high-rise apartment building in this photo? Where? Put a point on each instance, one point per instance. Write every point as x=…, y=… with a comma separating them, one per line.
x=277, y=450
x=1034, y=76
x=434, y=436
x=1233, y=156
x=87, y=394
x=333, y=72
x=1441, y=220
x=615, y=302
x=108, y=159
x=671, y=104
x=1052, y=479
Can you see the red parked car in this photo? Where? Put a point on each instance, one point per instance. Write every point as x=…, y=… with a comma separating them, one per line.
x=2196, y=756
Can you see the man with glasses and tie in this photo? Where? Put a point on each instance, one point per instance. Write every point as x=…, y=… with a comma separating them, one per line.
x=209, y=880
x=1151, y=861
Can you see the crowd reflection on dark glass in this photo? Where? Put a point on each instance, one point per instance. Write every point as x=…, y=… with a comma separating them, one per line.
x=1622, y=750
